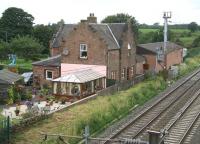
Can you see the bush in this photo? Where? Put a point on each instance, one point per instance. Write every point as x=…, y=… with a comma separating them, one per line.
x=196, y=42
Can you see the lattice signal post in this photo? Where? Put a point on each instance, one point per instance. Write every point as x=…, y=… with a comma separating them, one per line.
x=166, y=16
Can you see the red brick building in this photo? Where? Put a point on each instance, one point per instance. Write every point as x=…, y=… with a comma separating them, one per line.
x=140, y=61
x=88, y=45
x=174, y=55
x=46, y=70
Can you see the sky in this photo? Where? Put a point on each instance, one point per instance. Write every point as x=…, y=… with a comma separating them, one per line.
x=72, y=11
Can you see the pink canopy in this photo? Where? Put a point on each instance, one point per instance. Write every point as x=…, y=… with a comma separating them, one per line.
x=70, y=68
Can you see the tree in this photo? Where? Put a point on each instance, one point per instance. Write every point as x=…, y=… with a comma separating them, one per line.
x=193, y=26
x=122, y=18
x=196, y=42
x=43, y=34
x=26, y=47
x=16, y=21
x=4, y=50
x=158, y=36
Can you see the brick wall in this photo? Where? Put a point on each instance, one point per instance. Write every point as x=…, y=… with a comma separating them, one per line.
x=98, y=53
x=55, y=51
x=40, y=72
x=174, y=58
x=96, y=47
x=128, y=56
x=151, y=61
x=139, y=68
x=113, y=64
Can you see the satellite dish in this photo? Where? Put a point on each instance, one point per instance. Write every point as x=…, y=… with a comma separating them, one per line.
x=65, y=51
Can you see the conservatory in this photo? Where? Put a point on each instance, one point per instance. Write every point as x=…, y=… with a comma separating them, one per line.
x=79, y=84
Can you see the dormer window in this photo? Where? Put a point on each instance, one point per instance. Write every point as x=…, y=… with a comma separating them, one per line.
x=83, y=51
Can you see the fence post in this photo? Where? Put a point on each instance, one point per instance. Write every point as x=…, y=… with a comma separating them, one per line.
x=8, y=129
x=86, y=134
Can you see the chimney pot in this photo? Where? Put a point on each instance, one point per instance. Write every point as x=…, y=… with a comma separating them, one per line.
x=92, y=18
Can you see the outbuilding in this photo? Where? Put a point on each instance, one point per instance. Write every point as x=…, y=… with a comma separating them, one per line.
x=156, y=62
x=7, y=79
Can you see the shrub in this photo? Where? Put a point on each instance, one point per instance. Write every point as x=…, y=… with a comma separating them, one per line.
x=196, y=42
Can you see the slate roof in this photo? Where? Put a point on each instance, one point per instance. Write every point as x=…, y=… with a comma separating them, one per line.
x=80, y=76
x=8, y=77
x=52, y=61
x=62, y=32
x=111, y=33
x=153, y=46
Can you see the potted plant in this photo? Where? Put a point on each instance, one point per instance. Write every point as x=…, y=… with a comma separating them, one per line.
x=63, y=100
x=17, y=112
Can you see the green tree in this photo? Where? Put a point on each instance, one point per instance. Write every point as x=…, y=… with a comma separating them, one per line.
x=15, y=21
x=4, y=50
x=196, y=42
x=158, y=36
x=44, y=34
x=193, y=26
x=123, y=18
x=26, y=47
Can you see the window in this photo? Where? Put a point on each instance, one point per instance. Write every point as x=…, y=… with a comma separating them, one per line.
x=113, y=75
x=129, y=49
x=123, y=73
x=129, y=46
x=83, y=51
x=49, y=75
x=132, y=71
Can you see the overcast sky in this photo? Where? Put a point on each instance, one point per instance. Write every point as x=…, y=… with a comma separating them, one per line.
x=145, y=11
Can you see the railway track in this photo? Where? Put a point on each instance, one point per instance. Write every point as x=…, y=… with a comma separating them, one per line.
x=150, y=117
x=181, y=125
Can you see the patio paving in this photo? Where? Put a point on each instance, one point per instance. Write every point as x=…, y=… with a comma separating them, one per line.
x=43, y=105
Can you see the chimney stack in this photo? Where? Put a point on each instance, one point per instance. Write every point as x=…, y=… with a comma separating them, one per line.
x=92, y=18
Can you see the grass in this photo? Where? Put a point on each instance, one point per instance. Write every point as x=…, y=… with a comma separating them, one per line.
x=187, y=41
x=192, y=52
x=189, y=65
x=144, y=31
x=22, y=63
x=183, y=34
x=95, y=113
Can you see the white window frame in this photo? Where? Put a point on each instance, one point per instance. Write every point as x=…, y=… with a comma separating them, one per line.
x=129, y=46
x=132, y=71
x=46, y=75
x=123, y=73
x=83, y=50
x=113, y=75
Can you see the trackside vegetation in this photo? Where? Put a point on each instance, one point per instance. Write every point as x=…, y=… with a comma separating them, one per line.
x=95, y=113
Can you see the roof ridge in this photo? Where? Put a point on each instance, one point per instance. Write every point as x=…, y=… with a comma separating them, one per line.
x=49, y=58
x=113, y=35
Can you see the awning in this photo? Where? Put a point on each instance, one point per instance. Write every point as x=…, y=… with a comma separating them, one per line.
x=80, y=76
